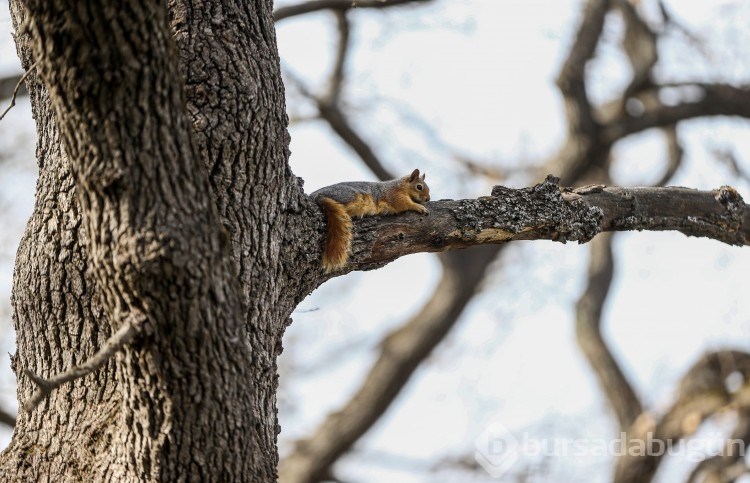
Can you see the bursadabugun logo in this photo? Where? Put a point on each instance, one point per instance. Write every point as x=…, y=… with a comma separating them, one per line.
x=497, y=450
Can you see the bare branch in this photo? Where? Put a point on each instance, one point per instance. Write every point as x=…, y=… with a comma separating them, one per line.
x=582, y=150
x=17, y=88
x=584, y=44
x=720, y=214
x=337, y=75
x=702, y=393
x=571, y=79
x=341, y=126
x=543, y=212
x=639, y=44
x=401, y=352
x=114, y=344
x=716, y=467
x=714, y=100
x=316, y=5
x=332, y=114
x=618, y=390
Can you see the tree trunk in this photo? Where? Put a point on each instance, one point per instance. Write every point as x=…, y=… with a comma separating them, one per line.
x=129, y=228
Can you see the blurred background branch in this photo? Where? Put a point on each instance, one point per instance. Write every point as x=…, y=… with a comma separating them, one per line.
x=585, y=156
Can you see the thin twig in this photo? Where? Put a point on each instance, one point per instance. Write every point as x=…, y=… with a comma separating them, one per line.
x=18, y=86
x=114, y=344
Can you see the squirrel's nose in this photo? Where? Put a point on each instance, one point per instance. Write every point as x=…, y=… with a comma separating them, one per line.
x=428, y=198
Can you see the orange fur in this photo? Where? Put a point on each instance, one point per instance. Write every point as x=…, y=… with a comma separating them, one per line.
x=363, y=205
x=339, y=236
x=399, y=202
x=343, y=201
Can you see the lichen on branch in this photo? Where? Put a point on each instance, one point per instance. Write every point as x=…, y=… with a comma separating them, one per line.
x=547, y=211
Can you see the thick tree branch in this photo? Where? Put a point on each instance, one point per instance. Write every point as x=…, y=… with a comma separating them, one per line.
x=729, y=464
x=618, y=390
x=712, y=100
x=316, y=5
x=702, y=393
x=639, y=44
x=544, y=212
x=401, y=352
x=582, y=150
x=719, y=214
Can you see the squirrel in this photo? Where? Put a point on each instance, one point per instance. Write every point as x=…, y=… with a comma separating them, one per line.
x=342, y=201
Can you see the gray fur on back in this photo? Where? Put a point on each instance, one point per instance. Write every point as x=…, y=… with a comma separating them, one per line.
x=345, y=192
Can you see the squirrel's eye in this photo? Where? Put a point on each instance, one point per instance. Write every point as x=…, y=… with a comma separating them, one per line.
x=419, y=187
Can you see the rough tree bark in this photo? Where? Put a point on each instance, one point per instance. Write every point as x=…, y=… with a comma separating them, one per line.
x=125, y=229
x=166, y=209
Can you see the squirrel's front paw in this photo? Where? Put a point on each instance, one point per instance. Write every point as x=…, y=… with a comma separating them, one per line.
x=423, y=210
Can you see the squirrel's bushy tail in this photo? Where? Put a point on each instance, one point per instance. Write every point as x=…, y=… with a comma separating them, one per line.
x=339, y=237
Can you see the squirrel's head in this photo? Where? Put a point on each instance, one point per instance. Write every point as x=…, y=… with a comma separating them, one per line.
x=420, y=192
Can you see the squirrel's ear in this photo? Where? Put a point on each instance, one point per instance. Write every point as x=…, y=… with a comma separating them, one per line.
x=414, y=175
x=423, y=175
